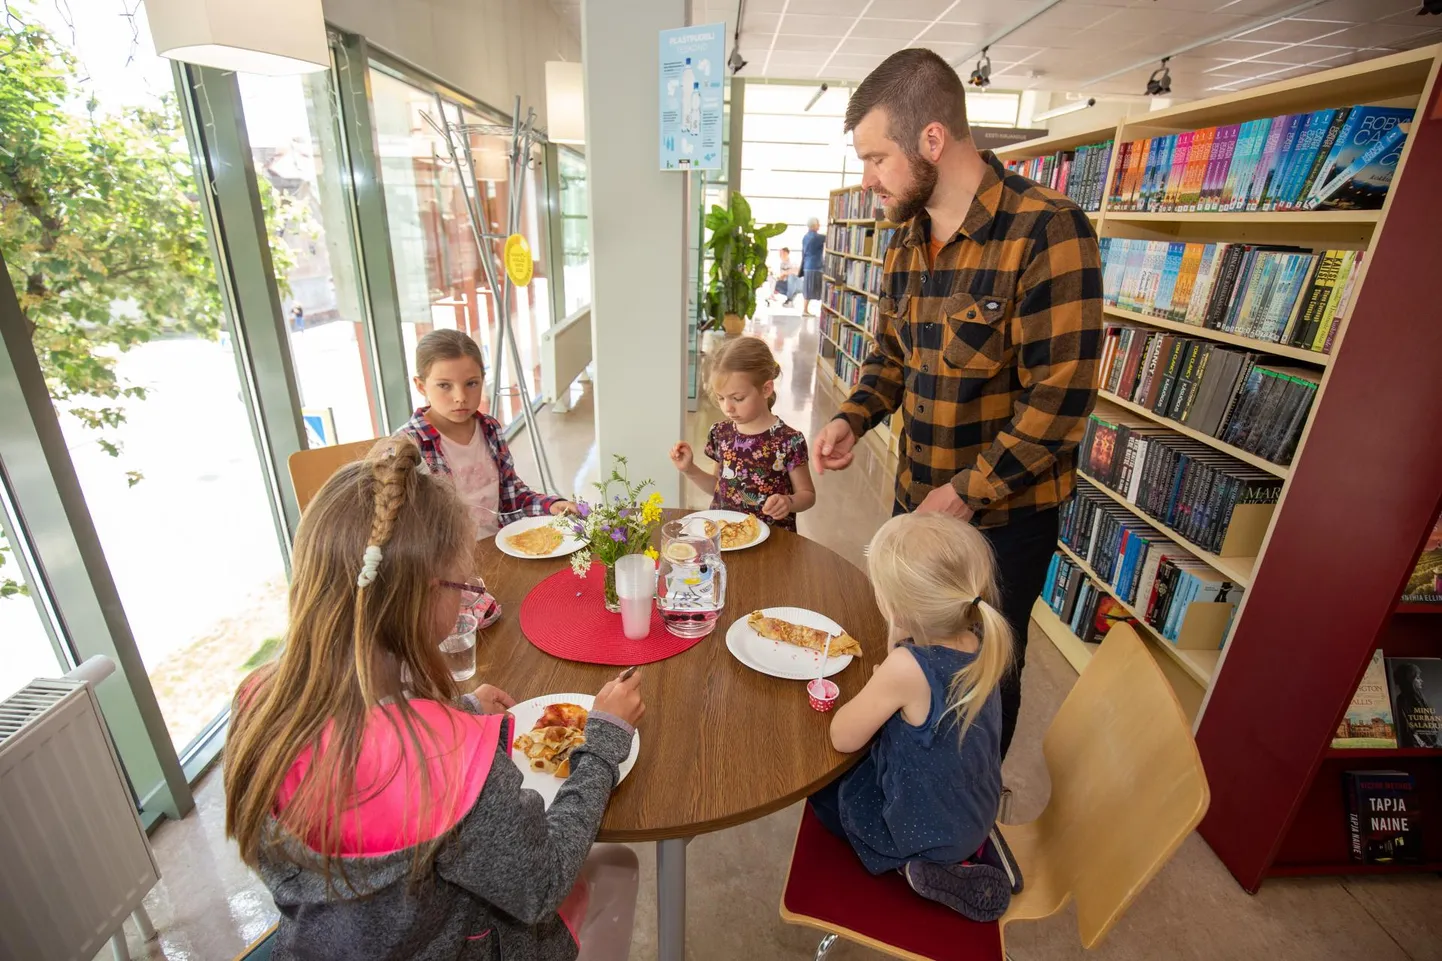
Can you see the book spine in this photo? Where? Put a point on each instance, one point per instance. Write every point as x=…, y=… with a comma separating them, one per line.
x=1355, y=814
x=1280, y=158
x=1339, y=145
x=1195, y=383
x=1334, y=296
x=1307, y=146
x=1391, y=140
x=1329, y=264
x=1340, y=314
x=1222, y=289
x=1319, y=159
x=1180, y=157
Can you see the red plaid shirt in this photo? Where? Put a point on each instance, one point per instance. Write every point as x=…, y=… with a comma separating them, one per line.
x=517, y=500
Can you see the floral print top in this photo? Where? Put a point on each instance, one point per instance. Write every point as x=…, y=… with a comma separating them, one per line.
x=754, y=466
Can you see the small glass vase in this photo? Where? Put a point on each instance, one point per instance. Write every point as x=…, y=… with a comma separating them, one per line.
x=613, y=601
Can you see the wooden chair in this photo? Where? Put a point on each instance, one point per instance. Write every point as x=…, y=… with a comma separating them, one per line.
x=1127, y=787
x=310, y=469
x=261, y=949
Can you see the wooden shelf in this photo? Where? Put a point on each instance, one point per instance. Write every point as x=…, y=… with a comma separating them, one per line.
x=1237, y=569
x=1375, y=753
x=1206, y=333
x=1419, y=609
x=853, y=220
x=1248, y=217
x=848, y=321
x=840, y=253
x=1050, y=145
x=1078, y=654
x=850, y=356
x=1199, y=665
x=1350, y=867
x=1261, y=463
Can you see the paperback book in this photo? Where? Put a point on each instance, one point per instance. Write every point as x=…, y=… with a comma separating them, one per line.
x=1425, y=584
x=1368, y=721
x=1416, y=684
x=1384, y=819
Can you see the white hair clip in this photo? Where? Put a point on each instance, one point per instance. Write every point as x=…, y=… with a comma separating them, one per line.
x=371, y=560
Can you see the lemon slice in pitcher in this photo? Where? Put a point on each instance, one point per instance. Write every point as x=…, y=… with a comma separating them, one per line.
x=679, y=552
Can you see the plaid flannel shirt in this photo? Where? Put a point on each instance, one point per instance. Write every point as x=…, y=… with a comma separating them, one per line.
x=992, y=354
x=517, y=500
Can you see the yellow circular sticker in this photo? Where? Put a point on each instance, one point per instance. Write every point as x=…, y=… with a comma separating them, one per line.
x=517, y=255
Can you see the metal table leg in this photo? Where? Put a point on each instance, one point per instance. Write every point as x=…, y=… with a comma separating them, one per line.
x=671, y=899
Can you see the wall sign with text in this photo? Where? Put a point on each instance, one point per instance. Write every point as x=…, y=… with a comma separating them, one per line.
x=693, y=77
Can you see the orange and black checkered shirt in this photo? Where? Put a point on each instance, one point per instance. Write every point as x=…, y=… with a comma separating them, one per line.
x=992, y=354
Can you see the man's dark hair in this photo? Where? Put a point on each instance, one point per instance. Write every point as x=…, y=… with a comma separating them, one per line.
x=786, y=250
x=916, y=88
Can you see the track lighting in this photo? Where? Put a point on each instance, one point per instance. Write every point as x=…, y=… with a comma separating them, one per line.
x=1065, y=109
x=981, y=76
x=1160, y=82
x=735, y=61
x=815, y=97
x=1430, y=6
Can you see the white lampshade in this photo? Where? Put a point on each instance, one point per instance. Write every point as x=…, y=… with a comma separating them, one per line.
x=565, y=103
x=271, y=37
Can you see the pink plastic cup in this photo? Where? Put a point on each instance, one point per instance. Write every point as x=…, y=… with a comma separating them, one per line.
x=822, y=694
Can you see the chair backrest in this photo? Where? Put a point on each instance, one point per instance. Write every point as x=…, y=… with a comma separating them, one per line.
x=1127, y=784
x=310, y=469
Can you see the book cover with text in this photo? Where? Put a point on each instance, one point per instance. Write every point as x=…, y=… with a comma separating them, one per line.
x=1425, y=584
x=1384, y=817
x=1368, y=721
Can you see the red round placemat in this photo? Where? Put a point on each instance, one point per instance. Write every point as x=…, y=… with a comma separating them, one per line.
x=566, y=617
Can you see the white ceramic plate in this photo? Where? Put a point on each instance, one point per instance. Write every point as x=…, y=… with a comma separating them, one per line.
x=526, y=714
x=734, y=517
x=569, y=545
x=778, y=658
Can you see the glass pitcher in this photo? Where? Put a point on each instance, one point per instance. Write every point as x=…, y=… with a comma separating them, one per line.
x=691, y=581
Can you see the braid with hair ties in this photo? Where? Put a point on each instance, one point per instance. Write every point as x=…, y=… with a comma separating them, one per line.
x=390, y=466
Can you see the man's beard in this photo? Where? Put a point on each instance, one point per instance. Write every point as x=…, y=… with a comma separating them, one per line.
x=923, y=176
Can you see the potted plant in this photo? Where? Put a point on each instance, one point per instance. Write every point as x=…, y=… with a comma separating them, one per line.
x=738, y=265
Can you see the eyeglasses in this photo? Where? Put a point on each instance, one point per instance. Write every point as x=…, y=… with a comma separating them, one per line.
x=471, y=591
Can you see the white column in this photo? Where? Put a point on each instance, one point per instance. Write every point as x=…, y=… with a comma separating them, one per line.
x=638, y=243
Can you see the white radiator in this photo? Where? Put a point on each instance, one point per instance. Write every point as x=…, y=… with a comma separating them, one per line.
x=74, y=859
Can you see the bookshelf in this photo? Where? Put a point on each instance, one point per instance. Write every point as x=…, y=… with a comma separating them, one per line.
x=846, y=335
x=1357, y=500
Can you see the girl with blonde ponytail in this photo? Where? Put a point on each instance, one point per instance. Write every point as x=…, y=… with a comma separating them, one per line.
x=924, y=799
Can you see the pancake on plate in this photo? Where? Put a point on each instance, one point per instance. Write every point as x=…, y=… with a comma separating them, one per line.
x=537, y=542
x=740, y=533
x=775, y=629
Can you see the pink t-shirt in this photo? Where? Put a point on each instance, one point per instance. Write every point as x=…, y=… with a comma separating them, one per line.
x=477, y=480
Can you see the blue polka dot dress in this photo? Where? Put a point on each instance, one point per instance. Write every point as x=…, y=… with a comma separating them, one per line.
x=920, y=794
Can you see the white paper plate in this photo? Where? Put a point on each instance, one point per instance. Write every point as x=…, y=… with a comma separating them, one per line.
x=526, y=714
x=569, y=545
x=778, y=658
x=734, y=517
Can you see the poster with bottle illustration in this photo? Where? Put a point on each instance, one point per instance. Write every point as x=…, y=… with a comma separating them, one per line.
x=693, y=77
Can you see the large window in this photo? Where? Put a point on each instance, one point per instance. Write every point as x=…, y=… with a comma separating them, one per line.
x=294, y=142
x=108, y=244
x=28, y=651
x=575, y=229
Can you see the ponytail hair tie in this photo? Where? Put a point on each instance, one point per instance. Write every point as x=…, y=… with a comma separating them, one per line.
x=976, y=601
x=370, y=562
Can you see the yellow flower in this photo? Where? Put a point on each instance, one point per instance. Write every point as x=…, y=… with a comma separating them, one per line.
x=652, y=553
x=651, y=508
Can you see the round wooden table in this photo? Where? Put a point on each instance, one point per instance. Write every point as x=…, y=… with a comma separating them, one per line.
x=721, y=744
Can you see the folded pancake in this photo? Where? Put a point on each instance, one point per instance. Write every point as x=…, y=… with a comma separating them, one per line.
x=740, y=533
x=776, y=629
x=537, y=542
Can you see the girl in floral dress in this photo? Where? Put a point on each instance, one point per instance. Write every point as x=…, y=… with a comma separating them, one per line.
x=762, y=463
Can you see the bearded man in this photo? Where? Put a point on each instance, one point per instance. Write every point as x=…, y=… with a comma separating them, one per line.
x=989, y=335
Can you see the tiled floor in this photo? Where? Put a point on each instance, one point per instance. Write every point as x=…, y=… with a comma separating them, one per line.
x=208, y=904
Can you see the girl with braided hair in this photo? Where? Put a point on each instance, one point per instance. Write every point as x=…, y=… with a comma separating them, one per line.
x=378, y=803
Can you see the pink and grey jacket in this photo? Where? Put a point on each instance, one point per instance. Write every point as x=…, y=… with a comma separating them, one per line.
x=503, y=883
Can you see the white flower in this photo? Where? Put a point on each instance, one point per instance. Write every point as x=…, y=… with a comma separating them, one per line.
x=581, y=563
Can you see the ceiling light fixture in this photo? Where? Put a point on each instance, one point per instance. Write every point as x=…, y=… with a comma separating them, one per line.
x=981, y=76
x=1159, y=84
x=736, y=62
x=1007, y=31
x=1066, y=109
x=815, y=97
x=1430, y=6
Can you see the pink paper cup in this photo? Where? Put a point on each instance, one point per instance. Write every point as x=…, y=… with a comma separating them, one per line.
x=822, y=694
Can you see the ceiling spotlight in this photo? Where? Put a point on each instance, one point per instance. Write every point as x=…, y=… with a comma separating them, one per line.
x=1062, y=111
x=735, y=61
x=1160, y=82
x=981, y=76
x=1430, y=6
x=815, y=97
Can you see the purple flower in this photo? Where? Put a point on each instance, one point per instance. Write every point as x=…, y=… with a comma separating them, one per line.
x=583, y=508
x=618, y=535
x=579, y=529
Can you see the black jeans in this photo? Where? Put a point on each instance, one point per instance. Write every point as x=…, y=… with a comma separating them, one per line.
x=1023, y=552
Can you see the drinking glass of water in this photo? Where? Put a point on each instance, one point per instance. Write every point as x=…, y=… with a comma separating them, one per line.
x=636, y=589
x=459, y=648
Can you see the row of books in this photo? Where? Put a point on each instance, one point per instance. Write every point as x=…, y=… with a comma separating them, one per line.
x=1143, y=567
x=1279, y=295
x=1081, y=174
x=854, y=239
x=862, y=276
x=1215, y=390
x=1182, y=483
x=1397, y=704
x=857, y=308
x=855, y=205
x=847, y=370
x=884, y=237
x=834, y=266
x=1339, y=159
x=848, y=338
x=1083, y=605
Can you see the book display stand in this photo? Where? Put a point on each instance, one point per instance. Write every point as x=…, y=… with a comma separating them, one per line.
x=1322, y=568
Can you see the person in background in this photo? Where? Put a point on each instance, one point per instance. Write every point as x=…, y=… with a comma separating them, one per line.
x=924, y=798
x=787, y=278
x=380, y=805
x=762, y=461
x=297, y=318
x=813, y=246
x=457, y=439
x=989, y=336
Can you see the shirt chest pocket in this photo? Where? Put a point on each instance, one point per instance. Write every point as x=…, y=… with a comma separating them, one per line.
x=975, y=336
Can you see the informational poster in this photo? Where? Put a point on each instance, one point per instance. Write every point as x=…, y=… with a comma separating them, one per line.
x=693, y=72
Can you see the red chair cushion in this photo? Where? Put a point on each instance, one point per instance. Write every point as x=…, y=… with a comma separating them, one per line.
x=828, y=884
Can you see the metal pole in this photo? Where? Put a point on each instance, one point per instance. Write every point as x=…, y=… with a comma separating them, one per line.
x=671, y=899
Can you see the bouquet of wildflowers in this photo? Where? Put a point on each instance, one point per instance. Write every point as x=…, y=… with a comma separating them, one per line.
x=620, y=522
